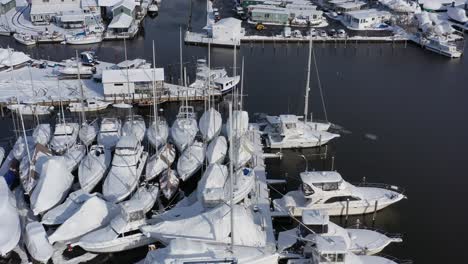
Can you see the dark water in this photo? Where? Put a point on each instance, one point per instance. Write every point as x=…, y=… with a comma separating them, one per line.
x=412, y=100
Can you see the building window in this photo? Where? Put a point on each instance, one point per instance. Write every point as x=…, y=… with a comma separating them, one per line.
x=118, y=84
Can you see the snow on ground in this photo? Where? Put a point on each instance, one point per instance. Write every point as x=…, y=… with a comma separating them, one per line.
x=402, y=6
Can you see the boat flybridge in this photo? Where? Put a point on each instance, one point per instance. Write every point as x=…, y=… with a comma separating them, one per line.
x=218, y=78
x=327, y=191
x=358, y=241
x=110, y=132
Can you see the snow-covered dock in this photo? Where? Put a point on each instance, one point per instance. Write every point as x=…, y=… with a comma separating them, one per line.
x=354, y=39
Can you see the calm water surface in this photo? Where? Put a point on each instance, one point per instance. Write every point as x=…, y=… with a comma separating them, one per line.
x=412, y=100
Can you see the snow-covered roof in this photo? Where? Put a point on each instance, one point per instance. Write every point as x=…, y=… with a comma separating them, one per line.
x=4, y=2
x=314, y=217
x=368, y=13
x=134, y=75
x=348, y=5
x=288, y=118
x=108, y=3
x=12, y=58
x=130, y=4
x=229, y=22
x=72, y=16
x=311, y=177
x=89, y=3
x=122, y=20
x=54, y=8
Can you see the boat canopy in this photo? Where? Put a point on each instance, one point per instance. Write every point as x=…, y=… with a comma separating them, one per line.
x=127, y=143
x=288, y=119
x=315, y=217
x=332, y=245
x=63, y=129
x=109, y=125
x=318, y=177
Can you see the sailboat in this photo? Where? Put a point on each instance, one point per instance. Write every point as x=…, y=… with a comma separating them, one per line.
x=291, y=131
x=94, y=167
x=169, y=183
x=160, y=161
x=185, y=128
x=191, y=160
x=217, y=150
x=42, y=134
x=134, y=125
x=10, y=229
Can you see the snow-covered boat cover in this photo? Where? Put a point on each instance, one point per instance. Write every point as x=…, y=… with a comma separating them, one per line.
x=217, y=149
x=36, y=242
x=62, y=212
x=210, y=124
x=10, y=228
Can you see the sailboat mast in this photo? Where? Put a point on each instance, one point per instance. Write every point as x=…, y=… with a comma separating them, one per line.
x=83, y=117
x=209, y=73
x=24, y=136
x=234, y=75
x=155, y=106
x=180, y=55
x=231, y=176
x=307, y=89
x=242, y=86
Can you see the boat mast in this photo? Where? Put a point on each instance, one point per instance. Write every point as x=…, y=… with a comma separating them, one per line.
x=83, y=117
x=307, y=89
x=155, y=105
x=24, y=136
x=234, y=75
x=180, y=55
x=231, y=176
x=242, y=86
x=209, y=73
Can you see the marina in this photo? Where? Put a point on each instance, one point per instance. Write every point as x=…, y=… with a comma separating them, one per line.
x=357, y=90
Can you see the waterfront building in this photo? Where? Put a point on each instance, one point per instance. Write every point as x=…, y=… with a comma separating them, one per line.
x=6, y=5
x=365, y=19
x=132, y=81
x=43, y=11
x=290, y=14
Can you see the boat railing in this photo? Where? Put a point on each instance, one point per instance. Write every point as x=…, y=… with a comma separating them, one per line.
x=394, y=188
x=388, y=234
x=395, y=259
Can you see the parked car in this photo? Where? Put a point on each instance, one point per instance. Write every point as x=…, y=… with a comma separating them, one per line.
x=341, y=33
x=332, y=32
x=323, y=33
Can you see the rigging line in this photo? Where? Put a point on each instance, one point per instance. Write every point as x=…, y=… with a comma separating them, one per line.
x=319, y=85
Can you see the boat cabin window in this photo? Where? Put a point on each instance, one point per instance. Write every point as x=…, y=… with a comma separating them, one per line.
x=309, y=229
x=334, y=258
x=341, y=199
x=133, y=216
x=290, y=125
x=307, y=189
x=129, y=233
x=328, y=186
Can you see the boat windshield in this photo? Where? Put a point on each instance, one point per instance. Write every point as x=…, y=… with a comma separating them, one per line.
x=332, y=258
x=328, y=186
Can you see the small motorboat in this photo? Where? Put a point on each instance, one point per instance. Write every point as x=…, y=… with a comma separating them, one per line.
x=53, y=185
x=74, y=68
x=191, y=160
x=73, y=156
x=65, y=136
x=127, y=166
x=169, y=183
x=210, y=124
x=84, y=38
x=185, y=128
x=217, y=150
x=157, y=133
x=31, y=109
x=93, y=214
x=42, y=134
x=160, y=161
x=134, y=125
x=25, y=39
x=10, y=229
x=37, y=243
x=109, y=133
x=88, y=106
x=94, y=167
x=59, y=214
x=337, y=197
x=88, y=132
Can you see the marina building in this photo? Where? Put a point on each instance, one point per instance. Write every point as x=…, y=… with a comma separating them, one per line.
x=123, y=24
x=349, y=6
x=293, y=14
x=43, y=11
x=365, y=19
x=227, y=29
x=131, y=81
x=6, y=5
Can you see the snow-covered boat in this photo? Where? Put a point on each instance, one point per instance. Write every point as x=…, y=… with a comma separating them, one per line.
x=127, y=165
x=243, y=151
x=217, y=78
x=74, y=155
x=191, y=160
x=160, y=161
x=134, y=125
x=327, y=191
x=169, y=183
x=88, y=132
x=358, y=241
x=185, y=128
x=153, y=8
x=110, y=132
x=31, y=170
x=65, y=136
x=37, y=243
x=20, y=148
x=88, y=106
x=122, y=233
x=84, y=39
x=59, y=214
x=31, y=109
x=157, y=133
x=2, y=155
x=54, y=182
x=458, y=14
x=210, y=124
x=442, y=46
x=93, y=214
x=217, y=150
x=42, y=134
x=10, y=228
x=93, y=167
x=240, y=123
x=73, y=68
x=13, y=59
x=25, y=39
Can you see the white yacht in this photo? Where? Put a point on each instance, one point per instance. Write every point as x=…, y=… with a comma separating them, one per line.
x=74, y=68
x=89, y=105
x=191, y=160
x=157, y=133
x=84, y=38
x=169, y=183
x=59, y=214
x=25, y=39
x=42, y=134
x=52, y=188
x=290, y=132
x=10, y=229
x=31, y=109
x=160, y=161
x=36, y=242
x=122, y=233
x=218, y=78
x=217, y=150
x=110, y=132
x=88, y=132
x=210, y=124
x=134, y=125
x=185, y=128
x=94, y=167
x=358, y=241
x=327, y=191
x=65, y=135
x=93, y=214
x=127, y=165
x=440, y=45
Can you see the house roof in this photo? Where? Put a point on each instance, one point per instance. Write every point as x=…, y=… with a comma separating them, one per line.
x=53, y=8
x=108, y=3
x=122, y=20
x=366, y=13
x=129, y=4
x=134, y=75
x=228, y=22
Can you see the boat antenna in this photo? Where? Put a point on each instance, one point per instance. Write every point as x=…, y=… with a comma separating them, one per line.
x=242, y=85
x=231, y=178
x=180, y=57
x=306, y=161
x=319, y=85
x=83, y=116
x=307, y=88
